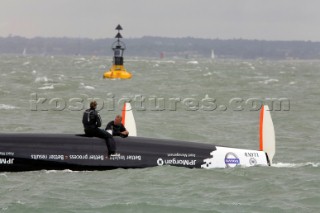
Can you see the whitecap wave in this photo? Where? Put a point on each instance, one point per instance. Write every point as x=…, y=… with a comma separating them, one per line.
x=296, y=165
x=89, y=87
x=207, y=74
x=20, y=202
x=271, y=80
x=42, y=79
x=5, y=106
x=60, y=171
x=4, y=174
x=82, y=85
x=249, y=64
x=47, y=87
x=169, y=62
x=192, y=62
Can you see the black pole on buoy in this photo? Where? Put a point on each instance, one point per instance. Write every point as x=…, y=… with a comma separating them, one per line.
x=117, y=70
x=118, y=48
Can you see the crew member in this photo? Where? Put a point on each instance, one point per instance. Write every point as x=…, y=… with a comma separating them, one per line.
x=116, y=128
x=91, y=122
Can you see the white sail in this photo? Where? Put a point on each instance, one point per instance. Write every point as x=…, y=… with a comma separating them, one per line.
x=128, y=119
x=267, y=135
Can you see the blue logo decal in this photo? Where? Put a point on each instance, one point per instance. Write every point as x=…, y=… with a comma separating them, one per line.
x=231, y=160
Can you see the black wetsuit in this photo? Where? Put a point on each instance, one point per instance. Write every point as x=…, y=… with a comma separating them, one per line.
x=91, y=122
x=116, y=129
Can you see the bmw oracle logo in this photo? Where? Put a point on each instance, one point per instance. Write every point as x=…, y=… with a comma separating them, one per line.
x=231, y=160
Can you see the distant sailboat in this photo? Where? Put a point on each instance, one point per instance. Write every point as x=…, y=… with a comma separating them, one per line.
x=24, y=52
x=161, y=55
x=212, y=54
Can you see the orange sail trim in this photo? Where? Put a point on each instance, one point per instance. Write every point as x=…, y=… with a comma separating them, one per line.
x=124, y=114
x=261, y=128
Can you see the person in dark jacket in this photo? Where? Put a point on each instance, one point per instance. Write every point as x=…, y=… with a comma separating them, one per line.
x=116, y=128
x=91, y=122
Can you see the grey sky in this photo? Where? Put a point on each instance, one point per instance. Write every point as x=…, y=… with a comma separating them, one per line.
x=224, y=19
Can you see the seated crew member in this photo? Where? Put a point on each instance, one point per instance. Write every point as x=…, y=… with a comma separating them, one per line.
x=117, y=128
x=91, y=122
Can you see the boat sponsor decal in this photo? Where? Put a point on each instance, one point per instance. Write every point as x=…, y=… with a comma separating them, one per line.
x=95, y=157
x=66, y=157
x=160, y=162
x=252, y=157
x=231, y=159
x=117, y=157
x=186, y=155
x=251, y=154
x=84, y=157
x=39, y=157
x=126, y=157
x=6, y=160
x=56, y=157
x=6, y=153
x=134, y=157
x=253, y=161
x=174, y=161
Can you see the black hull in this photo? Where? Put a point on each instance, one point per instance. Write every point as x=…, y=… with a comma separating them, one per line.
x=29, y=152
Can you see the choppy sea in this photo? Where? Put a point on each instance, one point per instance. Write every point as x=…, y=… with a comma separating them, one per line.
x=202, y=100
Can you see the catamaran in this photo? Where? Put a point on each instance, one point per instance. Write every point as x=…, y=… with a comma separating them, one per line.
x=29, y=152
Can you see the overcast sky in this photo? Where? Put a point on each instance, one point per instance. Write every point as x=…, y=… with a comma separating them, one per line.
x=224, y=19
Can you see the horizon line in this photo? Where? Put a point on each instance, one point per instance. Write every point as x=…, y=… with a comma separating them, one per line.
x=151, y=36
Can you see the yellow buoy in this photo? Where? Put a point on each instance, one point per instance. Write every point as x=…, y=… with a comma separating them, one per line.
x=117, y=70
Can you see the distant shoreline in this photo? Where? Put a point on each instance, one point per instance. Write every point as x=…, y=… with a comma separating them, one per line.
x=154, y=47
